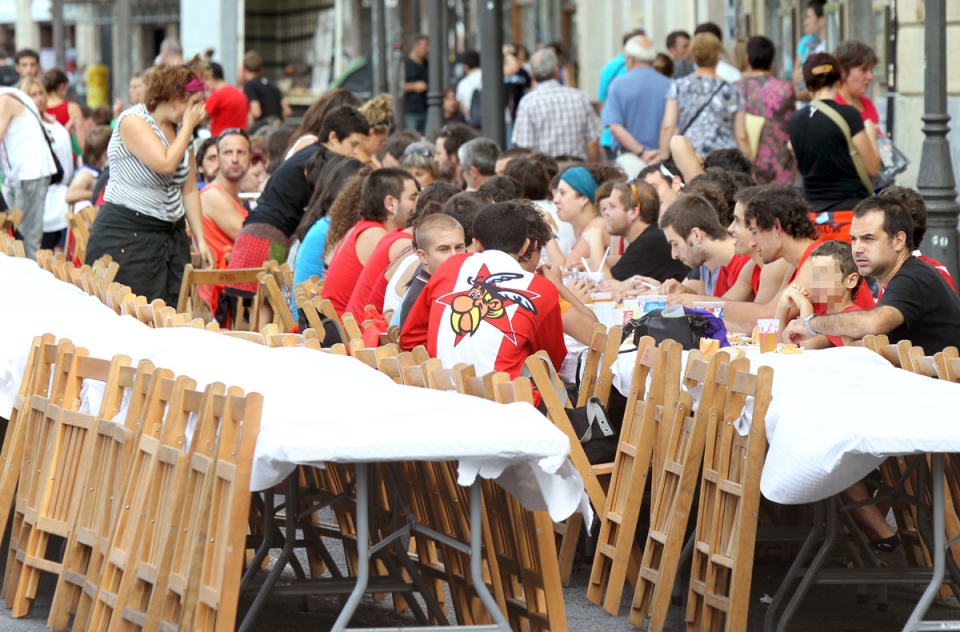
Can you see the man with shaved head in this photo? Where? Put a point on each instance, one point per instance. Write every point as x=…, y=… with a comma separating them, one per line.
x=437, y=238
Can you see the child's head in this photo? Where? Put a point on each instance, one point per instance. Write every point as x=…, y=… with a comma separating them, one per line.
x=835, y=275
x=95, y=149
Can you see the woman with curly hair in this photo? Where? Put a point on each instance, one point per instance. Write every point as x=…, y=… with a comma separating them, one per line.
x=152, y=191
x=379, y=113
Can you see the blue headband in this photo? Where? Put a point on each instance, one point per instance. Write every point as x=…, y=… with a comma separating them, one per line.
x=581, y=181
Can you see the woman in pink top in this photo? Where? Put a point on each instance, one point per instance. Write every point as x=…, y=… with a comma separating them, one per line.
x=857, y=60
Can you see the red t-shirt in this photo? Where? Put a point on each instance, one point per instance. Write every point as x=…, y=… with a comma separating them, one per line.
x=869, y=109
x=345, y=267
x=228, y=109
x=755, y=279
x=485, y=310
x=729, y=274
x=942, y=269
x=363, y=292
x=837, y=341
x=864, y=298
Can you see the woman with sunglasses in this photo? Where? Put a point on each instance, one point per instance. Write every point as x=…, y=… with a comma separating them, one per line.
x=152, y=191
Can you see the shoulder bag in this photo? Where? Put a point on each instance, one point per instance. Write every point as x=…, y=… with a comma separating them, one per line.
x=835, y=116
x=703, y=107
x=56, y=178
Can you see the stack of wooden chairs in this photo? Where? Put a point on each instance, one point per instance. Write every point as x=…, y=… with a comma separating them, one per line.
x=153, y=516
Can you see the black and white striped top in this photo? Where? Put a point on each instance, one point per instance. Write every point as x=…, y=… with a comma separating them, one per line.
x=133, y=185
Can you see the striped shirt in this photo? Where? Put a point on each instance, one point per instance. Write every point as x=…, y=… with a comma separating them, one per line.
x=556, y=120
x=134, y=185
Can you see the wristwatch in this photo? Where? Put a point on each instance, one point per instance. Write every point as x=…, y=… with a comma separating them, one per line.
x=806, y=323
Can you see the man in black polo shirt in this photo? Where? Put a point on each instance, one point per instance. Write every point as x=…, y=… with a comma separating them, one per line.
x=917, y=304
x=417, y=75
x=266, y=101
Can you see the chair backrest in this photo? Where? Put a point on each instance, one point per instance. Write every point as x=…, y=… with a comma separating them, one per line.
x=189, y=297
x=273, y=296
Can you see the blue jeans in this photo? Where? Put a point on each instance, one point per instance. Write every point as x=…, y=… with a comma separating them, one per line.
x=416, y=122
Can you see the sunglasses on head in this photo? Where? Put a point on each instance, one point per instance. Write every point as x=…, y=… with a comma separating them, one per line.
x=419, y=151
x=233, y=130
x=666, y=172
x=632, y=183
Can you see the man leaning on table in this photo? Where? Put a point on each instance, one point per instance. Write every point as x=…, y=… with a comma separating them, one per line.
x=917, y=304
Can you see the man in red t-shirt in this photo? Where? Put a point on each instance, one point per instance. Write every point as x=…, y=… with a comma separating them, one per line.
x=386, y=201
x=490, y=308
x=226, y=105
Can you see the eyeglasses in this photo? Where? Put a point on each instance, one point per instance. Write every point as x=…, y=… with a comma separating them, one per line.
x=666, y=172
x=632, y=183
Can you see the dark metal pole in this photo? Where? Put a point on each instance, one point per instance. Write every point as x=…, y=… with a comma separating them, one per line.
x=56, y=24
x=438, y=49
x=935, y=181
x=494, y=96
x=379, y=47
x=123, y=50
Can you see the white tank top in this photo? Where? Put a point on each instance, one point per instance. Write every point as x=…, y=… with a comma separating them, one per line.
x=25, y=152
x=391, y=300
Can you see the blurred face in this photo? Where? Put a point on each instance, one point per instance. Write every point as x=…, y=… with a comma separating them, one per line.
x=618, y=216
x=210, y=164
x=829, y=285
x=765, y=242
x=349, y=147
x=423, y=176
x=233, y=157
x=858, y=80
x=446, y=163
x=254, y=178
x=501, y=165
x=28, y=67
x=444, y=244
x=389, y=161
x=375, y=141
x=682, y=48
x=738, y=230
x=569, y=202
x=405, y=206
x=423, y=48
x=180, y=105
x=450, y=105
x=39, y=96
x=873, y=249
x=812, y=25
x=135, y=91
x=666, y=193
x=688, y=251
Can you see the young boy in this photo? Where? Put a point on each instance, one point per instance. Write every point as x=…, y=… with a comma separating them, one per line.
x=835, y=285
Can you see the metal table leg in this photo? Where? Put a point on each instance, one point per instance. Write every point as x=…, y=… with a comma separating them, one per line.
x=796, y=569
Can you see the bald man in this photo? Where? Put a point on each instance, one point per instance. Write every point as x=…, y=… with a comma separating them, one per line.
x=437, y=238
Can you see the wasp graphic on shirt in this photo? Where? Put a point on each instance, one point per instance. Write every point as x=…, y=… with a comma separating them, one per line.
x=486, y=301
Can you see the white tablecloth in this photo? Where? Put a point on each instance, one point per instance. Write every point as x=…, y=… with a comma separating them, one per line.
x=318, y=407
x=836, y=414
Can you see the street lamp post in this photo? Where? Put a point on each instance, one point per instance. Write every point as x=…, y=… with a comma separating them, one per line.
x=493, y=96
x=936, y=182
x=438, y=48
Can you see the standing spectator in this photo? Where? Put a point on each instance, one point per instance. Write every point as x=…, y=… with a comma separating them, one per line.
x=724, y=69
x=152, y=188
x=451, y=109
x=772, y=99
x=28, y=169
x=134, y=92
x=226, y=105
x=813, y=41
x=471, y=83
x=208, y=161
x=449, y=141
x=266, y=101
x=554, y=119
x=856, y=63
x=830, y=179
x=55, y=207
x=171, y=53
x=27, y=63
x=478, y=161
x=8, y=74
x=636, y=102
x=417, y=82
x=703, y=107
x=517, y=80
x=610, y=71
x=55, y=82
x=678, y=45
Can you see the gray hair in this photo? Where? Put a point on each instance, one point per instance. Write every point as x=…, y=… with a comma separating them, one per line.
x=481, y=153
x=639, y=48
x=171, y=45
x=544, y=64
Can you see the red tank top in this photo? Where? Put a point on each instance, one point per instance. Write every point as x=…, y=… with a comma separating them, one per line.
x=220, y=244
x=755, y=279
x=363, y=293
x=60, y=112
x=345, y=267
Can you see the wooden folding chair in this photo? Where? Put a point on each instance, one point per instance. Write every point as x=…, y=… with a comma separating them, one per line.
x=598, y=364
x=273, y=297
x=674, y=498
x=948, y=364
x=81, y=235
x=101, y=490
x=66, y=464
x=617, y=558
x=190, y=302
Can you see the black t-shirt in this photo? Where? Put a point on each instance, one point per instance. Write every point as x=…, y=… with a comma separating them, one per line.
x=416, y=102
x=8, y=76
x=649, y=255
x=268, y=95
x=287, y=193
x=931, y=310
x=823, y=156
x=517, y=86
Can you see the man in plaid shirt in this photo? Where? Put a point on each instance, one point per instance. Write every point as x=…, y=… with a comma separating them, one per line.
x=555, y=119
